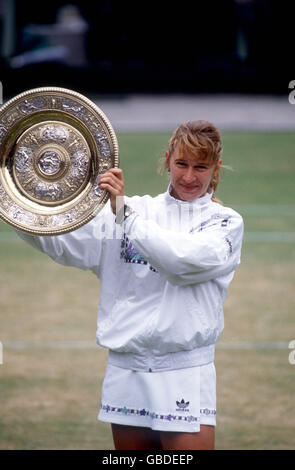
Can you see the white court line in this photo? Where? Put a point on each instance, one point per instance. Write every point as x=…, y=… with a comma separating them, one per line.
x=254, y=210
x=266, y=210
x=227, y=345
x=252, y=237
x=269, y=237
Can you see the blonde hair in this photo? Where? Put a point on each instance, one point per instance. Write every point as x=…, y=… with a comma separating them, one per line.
x=202, y=139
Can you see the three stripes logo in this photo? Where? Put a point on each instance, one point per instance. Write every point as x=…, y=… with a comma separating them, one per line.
x=182, y=405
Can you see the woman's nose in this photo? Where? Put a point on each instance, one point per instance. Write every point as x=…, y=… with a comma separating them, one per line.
x=189, y=175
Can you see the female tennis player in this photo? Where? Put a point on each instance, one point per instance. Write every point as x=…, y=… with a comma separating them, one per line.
x=164, y=264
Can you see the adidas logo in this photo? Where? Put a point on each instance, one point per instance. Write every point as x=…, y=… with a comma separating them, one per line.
x=182, y=405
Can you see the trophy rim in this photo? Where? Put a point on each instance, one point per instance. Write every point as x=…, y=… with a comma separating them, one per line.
x=99, y=119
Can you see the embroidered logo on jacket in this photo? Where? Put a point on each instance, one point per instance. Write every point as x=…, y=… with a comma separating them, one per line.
x=130, y=255
x=214, y=219
x=182, y=405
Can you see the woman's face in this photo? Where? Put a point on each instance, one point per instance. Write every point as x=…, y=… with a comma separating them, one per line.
x=189, y=177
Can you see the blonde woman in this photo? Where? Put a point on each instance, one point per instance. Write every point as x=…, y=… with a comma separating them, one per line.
x=163, y=281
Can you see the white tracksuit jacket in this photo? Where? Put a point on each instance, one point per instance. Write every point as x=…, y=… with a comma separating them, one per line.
x=163, y=277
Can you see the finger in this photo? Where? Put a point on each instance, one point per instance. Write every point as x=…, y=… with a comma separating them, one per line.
x=113, y=174
x=110, y=189
x=112, y=184
x=110, y=181
x=116, y=172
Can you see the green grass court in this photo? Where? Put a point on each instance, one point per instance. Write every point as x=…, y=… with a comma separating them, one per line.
x=50, y=387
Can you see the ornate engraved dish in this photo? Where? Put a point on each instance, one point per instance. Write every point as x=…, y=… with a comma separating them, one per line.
x=54, y=144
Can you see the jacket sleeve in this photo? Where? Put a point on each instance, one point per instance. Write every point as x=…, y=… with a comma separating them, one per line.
x=81, y=248
x=189, y=258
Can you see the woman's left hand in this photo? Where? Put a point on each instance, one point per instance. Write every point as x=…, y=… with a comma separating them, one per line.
x=113, y=181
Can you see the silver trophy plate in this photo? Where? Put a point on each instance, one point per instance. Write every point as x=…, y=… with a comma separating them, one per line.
x=54, y=144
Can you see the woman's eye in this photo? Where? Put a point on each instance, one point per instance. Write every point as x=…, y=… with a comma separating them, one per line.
x=197, y=167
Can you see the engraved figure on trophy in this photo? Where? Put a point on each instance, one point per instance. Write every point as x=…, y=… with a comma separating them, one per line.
x=23, y=159
x=102, y=141
x=28, y=106
x=3, y=131
x=71, y=107
x=79, y=165
x=54, y=133
x=48, y=192
x=50, y=162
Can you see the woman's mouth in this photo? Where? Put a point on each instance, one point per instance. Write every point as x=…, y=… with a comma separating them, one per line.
x=189, y=187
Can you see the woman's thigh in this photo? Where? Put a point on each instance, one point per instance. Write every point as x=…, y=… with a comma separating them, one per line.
x=140, y=438
x=135, y=438
x=203, y=440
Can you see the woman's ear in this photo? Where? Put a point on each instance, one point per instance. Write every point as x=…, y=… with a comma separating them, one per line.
x=217, y=168
x=167, y=162
x=216, y=176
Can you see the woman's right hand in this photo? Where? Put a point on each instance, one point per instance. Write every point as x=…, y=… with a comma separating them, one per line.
x=113, y=181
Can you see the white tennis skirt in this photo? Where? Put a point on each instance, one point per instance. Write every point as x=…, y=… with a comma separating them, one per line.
x=176, y=400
